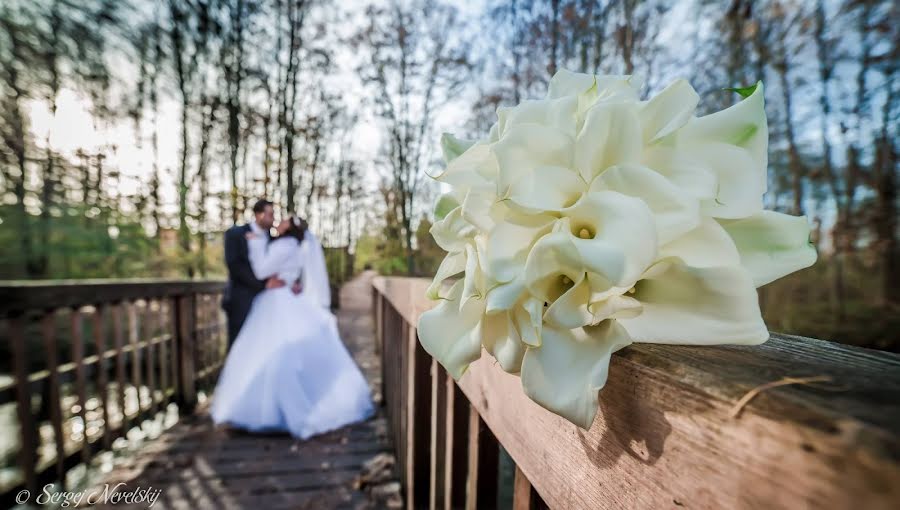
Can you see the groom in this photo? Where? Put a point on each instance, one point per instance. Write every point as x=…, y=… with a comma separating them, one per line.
x=243, y=285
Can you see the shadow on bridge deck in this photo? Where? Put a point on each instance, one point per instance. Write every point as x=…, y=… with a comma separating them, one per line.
x=195, y=465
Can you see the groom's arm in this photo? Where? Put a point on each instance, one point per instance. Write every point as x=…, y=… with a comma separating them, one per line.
x=238, y=262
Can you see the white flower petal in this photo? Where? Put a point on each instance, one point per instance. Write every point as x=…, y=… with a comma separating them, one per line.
x=611, y=136
x=733, y=143
x=510, y=242
x=450, y=333
x=566, y=83
x=523, y=150
x=570, y=310
x=615, y=234
x=683, y=169
x=529, y=322
x=708, y=245
x=452, y=146
x=553, y=267
x=453, y=233
x=476, y=167
x=546, y=188
x=618, y=306
x=619, y=87
x=482, y=209
x=501, y=340
x=674, y=212
x=696, y=306
x=503, y=296
x=668, y=110
x=494, y=133
x=571, y=366
x=453, y=264
x=740, y=191
x=474, y=284
x=772, y=245
x=558, y=114
x=742, y=125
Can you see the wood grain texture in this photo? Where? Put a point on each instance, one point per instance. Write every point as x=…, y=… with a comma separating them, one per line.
x=524, y=495
x=119, y=342
x=27, y=428
x=55, y=404
x=418, y=423
x=521, y=491
x=19, y=296
x=102, y=375
x=457, y=447
x=186, y=309
x=484, y=456
x=438, y=436
x=663, y=437
x=77, y=339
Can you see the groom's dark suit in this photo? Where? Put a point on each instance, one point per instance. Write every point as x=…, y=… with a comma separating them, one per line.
x=243, y=285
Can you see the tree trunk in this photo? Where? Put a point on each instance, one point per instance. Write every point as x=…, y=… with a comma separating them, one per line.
x=178, y=49
x=18, y=145
x=825, y=69
x=794, y=163
x=234, y=73
x=554, y=34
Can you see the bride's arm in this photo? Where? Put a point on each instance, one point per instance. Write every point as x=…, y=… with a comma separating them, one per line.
x=267, y=262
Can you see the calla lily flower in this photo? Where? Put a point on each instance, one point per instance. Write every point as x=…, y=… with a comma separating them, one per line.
x=588, y=220
x=571, y=366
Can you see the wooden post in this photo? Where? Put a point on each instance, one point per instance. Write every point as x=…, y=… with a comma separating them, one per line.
x=484, y=456
x=418, y=410
x=119, y=340
x=55, y=404
x=378, y=313
x=149, y=337
x=135, y=354
x=27, y=429
x=100, y=345
x=524, y=495
x=457, y=446
x=438, y=436
x=173, y=344
x=187, y=397
x=165, y=331
x=80, y=384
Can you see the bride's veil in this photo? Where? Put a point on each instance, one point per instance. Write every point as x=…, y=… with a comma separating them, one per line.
x=315, y=272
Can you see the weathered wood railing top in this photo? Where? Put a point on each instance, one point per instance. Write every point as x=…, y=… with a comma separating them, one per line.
x=23, y=295
x=666, y=435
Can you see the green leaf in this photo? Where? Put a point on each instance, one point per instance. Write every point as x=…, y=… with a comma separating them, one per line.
x=744, y=92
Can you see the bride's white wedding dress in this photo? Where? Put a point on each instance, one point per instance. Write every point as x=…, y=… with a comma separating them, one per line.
x=288, y=368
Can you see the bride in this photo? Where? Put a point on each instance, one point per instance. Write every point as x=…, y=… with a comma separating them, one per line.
x=288, y=368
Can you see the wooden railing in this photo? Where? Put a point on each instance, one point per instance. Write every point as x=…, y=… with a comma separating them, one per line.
x=668, y=435
x=89, y=360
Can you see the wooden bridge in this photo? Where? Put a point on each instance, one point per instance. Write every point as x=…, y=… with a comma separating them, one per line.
x=115, y=375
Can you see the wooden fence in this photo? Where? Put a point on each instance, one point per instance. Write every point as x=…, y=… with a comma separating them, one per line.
x=668, y=434
x=90, y=360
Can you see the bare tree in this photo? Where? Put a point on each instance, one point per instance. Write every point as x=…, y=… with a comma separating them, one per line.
x=414, y=67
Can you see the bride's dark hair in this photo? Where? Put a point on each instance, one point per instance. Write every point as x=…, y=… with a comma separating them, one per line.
x=297, y=229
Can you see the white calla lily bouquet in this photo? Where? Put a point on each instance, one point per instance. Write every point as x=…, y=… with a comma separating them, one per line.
x=589, y=220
